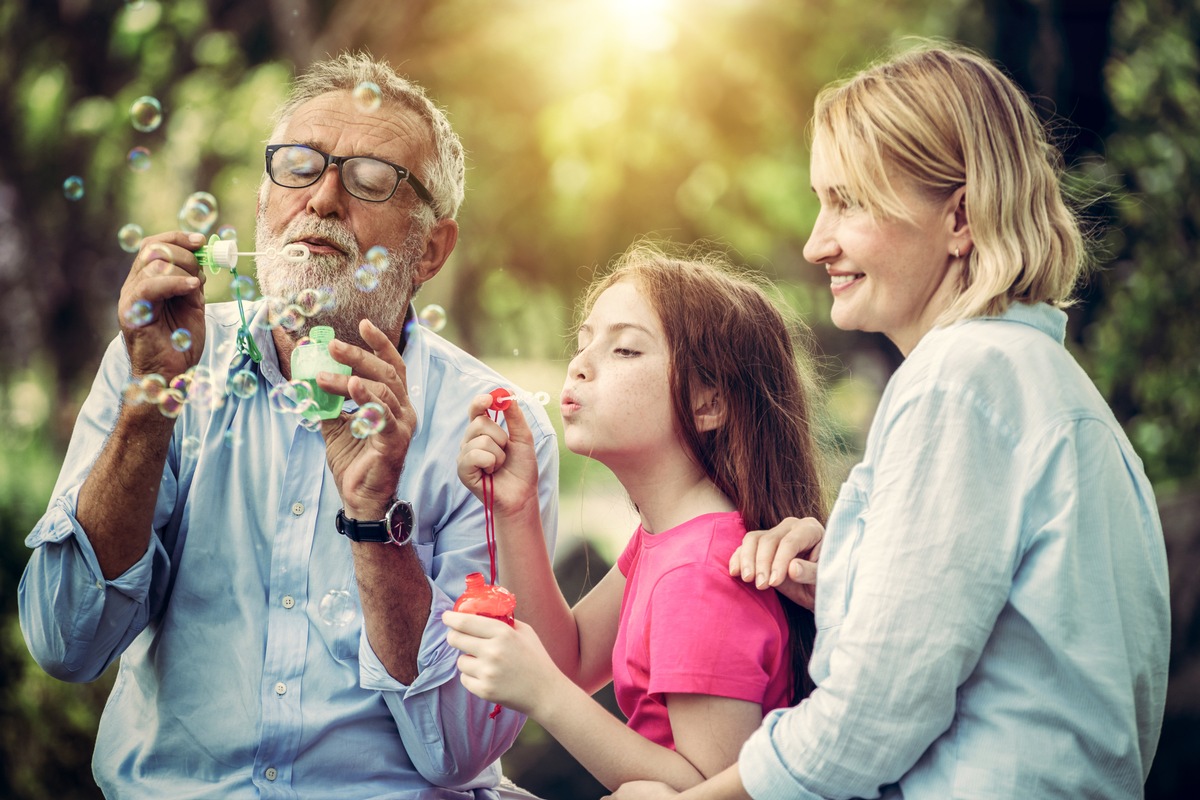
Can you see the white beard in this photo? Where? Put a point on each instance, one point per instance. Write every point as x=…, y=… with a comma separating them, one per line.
x=282, y=280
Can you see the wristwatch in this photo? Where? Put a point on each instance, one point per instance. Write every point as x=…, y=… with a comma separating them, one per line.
x=396, y=526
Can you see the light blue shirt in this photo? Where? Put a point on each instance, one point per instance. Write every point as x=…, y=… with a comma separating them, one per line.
x=234, y=683
x=992, y=603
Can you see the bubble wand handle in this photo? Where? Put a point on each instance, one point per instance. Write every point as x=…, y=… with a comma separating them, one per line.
x=223, y=254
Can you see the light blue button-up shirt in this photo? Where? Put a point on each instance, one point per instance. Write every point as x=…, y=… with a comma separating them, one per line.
x=244, y=672
x=992, y=603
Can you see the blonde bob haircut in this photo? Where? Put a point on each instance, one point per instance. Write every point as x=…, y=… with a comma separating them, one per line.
x=941, y=116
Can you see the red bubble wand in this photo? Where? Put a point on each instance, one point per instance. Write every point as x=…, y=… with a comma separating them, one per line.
x=480, y=597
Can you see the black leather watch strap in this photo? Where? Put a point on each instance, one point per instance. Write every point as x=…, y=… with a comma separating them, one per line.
x=396, y=526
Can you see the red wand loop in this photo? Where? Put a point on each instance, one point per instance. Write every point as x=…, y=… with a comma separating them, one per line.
x=480, y=597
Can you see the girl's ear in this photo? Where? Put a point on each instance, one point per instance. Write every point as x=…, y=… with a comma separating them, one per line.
x=707, y=410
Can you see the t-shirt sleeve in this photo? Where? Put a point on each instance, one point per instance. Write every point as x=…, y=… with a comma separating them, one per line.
x=712, y=634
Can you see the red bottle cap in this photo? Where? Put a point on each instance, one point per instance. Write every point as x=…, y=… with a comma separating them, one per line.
x=487, y=601
x=501, y=399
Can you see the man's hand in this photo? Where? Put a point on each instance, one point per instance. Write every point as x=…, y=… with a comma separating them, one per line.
x=163, y=292
x=367, y=470
x=783, y=558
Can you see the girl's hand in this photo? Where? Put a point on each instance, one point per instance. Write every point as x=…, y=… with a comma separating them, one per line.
x=508, y=456
x=783, y=558
x=503, y=665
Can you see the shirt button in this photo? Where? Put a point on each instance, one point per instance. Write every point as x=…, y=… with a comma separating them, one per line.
x=280, y=688
x=288, y=601
x=297, y=509
x=271, y=773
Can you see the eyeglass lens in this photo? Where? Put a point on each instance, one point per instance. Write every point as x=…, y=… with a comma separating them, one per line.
x=297, y=166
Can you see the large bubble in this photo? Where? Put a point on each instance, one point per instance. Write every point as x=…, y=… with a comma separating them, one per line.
x=368, y=420
x=433, y=317
x=199, y=212
x=146, y=114
x=140, y=314
x=130, y=237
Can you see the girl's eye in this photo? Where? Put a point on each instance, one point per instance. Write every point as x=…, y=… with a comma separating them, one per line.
x=626, y=352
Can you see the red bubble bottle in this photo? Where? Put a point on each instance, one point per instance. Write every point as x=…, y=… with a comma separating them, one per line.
x=487, y=601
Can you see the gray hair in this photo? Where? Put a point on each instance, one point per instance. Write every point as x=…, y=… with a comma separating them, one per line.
x=443, y=172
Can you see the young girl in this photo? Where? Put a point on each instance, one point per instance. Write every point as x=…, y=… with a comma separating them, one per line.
x=686, y=385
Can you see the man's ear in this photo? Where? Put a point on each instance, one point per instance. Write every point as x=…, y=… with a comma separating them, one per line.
x=441, y=243
x=707, y=410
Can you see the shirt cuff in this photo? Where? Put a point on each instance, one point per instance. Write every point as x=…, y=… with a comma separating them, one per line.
x=436, y=660
x=59, y=524
x=764, y=774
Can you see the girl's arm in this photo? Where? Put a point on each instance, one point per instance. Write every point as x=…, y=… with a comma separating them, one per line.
x=509, y=666
x=580, y=641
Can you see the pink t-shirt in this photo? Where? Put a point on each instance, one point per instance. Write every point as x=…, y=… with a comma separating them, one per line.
x=687, y=627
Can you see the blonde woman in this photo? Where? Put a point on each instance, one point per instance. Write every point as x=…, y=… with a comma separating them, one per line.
x=991, y=604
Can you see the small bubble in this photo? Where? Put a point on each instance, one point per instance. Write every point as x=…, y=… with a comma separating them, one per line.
x=368, y=420
x=146, y=114
x=293, y=397
x=541, y=398
x=243, y=383
x=153, y=386
x=292, y=318
x=189, y=447
x=140, y=314
x=366, y=278
x=199, y=212
x=243, y=286
x=227, y=232
x=171, y=403
x=433, y=317
x=310, y=423
x=130, y=237
x=139, y=159
x=232, y=440
x=516, y=352
x=337, y=608
x=309, y=302
x=181, y=339
x=73, y=188
x=367, y=96
x=414, y=391
x=378, y=258
x=158, y=257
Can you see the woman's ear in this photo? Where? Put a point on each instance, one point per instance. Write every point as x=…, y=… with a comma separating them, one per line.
x=707, y=410
x=959, y=228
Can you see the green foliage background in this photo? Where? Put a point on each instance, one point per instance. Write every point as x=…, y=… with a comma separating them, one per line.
x=589, y=123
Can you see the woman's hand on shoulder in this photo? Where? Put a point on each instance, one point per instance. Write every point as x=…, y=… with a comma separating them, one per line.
x=782, y=558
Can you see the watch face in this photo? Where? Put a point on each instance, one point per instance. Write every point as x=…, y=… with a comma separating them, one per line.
x=400, y=522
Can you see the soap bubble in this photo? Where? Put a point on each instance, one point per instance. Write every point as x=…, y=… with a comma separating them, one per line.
x=171, y=403
x=541, y=398
x=378, y=258
x=414, y=391
x=337, y=608
x=139, y=159
x=227, y=232
x=130, y=237
x=243, y=287
x=146, y=114
x=152, y=387
x=310, y=423
x=367, y=96
x=73, y=188
x=433, y=317
x=292, y=318
x=293, y=397
x=140, y=314
x=368, y=420
x=232, y=440
x=243, y=383
x=181, y=339
x=183, y=382
x=158, y=256
x=516, y=352
x=189, y=447
x=310, y=302
x=199, y=212
x=366, y=278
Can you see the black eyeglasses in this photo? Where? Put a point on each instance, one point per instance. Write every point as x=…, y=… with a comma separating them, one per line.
x=295, y=166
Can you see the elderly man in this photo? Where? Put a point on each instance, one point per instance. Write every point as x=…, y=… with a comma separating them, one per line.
x=274, y=589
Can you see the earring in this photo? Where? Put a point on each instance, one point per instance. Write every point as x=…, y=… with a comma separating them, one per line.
x=956, y=253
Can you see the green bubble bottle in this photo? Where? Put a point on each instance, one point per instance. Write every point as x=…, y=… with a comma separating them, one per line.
x=310, y=358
